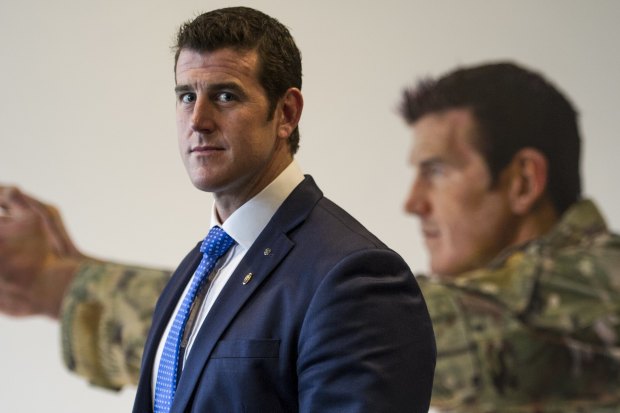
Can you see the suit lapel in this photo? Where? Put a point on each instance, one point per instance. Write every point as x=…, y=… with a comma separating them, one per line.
x=270, y=248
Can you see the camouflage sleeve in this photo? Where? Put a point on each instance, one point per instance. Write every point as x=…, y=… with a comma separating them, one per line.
x=578, y=297
x=457, y=370
x=488, y=361
x=105, y=318
x=503, y=341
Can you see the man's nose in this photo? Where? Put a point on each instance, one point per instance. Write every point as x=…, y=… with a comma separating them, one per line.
x=417, y=201
x=203, y=116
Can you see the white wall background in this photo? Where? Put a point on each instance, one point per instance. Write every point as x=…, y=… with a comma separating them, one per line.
x=87, y=123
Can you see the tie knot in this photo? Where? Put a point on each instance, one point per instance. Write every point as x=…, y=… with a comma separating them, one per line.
x=216, y=243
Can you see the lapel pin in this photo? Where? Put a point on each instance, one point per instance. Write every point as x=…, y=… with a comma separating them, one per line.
x=267, y=251
x=247, y=278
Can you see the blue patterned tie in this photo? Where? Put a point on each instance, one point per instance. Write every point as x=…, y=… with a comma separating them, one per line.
x=216, y=243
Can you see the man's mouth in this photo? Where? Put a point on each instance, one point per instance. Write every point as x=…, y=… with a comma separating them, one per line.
x=204, y=149
x=430, y=232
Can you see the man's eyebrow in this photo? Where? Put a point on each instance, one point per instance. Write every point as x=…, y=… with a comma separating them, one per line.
x=223, y=85
x=212, y=87
x=178, y=89
x=428, y=162
x=431, y=161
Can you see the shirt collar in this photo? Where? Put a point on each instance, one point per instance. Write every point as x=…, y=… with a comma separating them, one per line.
x=249, y=220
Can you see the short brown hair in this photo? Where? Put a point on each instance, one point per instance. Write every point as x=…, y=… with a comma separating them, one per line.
x=514, y=108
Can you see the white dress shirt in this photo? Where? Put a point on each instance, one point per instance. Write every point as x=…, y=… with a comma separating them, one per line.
x=244, y=226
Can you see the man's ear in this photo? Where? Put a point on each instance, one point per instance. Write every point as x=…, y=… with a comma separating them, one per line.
x=528, y=180
x=289, y=112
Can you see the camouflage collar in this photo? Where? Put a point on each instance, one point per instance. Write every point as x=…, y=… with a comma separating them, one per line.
x=511, y=277
x=581, y=219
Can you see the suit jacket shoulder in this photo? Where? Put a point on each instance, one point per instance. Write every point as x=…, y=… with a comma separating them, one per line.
x=330, y=320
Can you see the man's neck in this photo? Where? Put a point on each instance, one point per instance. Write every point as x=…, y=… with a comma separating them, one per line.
x=537, y=223
x=227, y=202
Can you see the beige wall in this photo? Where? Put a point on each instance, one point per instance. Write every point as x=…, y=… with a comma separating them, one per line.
x=87, y=122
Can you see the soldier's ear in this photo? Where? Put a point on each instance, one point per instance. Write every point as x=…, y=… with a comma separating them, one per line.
x=528, y=180
x=288, y=112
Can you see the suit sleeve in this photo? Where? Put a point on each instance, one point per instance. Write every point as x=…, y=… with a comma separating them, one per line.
x=105, y=318
x=366, y=344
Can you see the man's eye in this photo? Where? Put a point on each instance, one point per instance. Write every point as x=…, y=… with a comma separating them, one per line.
x=432, y=169
x=188, y=98
x=436, y=169
x=225, y=97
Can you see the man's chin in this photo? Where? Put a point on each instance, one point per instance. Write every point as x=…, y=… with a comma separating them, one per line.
x=452, y=271
x=446, y=270
x=202, y=187
x=204, y=184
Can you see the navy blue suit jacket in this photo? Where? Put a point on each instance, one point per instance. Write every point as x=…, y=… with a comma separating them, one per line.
x=331, y=321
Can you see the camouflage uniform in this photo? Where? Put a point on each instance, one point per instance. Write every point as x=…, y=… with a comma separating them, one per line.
x=537, y=331
x=105, y=318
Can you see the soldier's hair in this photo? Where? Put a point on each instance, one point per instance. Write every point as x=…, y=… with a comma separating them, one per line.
x=514, y=108
x=243, y=29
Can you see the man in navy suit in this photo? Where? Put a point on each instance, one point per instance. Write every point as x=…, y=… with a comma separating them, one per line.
x=307, y=311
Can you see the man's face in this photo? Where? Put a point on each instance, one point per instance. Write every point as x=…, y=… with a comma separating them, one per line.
x=227, y=143
x=464, y=222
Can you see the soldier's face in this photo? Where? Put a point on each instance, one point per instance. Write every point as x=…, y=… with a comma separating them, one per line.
x=465, y=222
